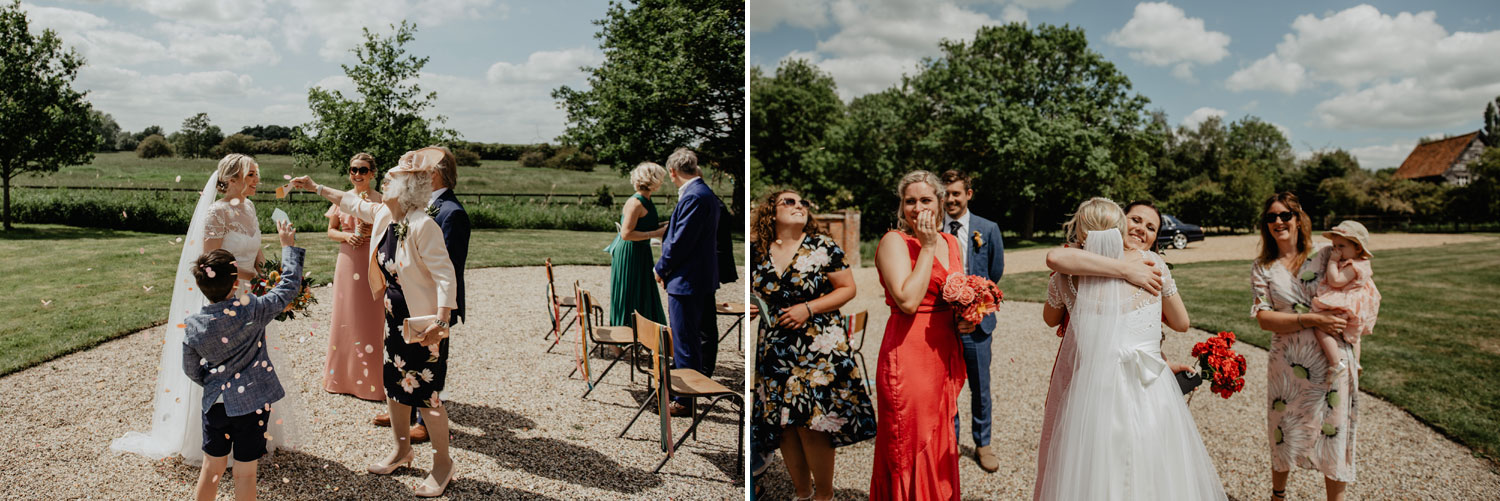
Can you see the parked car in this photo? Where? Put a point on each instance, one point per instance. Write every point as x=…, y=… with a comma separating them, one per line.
x=1177, y=233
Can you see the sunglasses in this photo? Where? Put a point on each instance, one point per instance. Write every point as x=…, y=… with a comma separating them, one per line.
x=787, y=202
x=1285, y=217
x=361, y=170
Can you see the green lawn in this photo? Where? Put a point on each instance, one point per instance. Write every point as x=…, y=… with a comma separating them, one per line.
x=96, y=280
x=125, y=169
x=1435, y=351
x=1013, y=242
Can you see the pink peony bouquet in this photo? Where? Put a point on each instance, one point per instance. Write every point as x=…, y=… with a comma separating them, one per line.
x=973, y=296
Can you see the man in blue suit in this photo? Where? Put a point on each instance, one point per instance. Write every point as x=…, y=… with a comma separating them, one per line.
x=984, y=255
x=450, y=215
x=689, y=268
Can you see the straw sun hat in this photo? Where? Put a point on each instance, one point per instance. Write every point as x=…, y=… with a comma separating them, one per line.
x=1353, y=231
x=420, y=161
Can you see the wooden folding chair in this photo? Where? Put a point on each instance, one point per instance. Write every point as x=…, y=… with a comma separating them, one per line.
x=602, y=335
x=737, y=310
x=856, y=323
x=681, y=382
x=557, y=309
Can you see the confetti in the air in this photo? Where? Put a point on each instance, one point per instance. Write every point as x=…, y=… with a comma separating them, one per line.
x=46, y=302
x=148, y=287
x=179, y=179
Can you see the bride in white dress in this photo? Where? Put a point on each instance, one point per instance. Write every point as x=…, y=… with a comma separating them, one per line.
x=229, y=223
x=1123, y=431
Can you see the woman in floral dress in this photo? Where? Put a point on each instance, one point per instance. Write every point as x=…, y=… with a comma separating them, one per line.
x=1311, y=420
x=810, y=396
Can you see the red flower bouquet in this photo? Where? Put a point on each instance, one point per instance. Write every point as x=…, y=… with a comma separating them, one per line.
x=1220, y=364
x=973, y=296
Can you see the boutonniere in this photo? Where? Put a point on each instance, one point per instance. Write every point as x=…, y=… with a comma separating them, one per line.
x=1308, y=276
x=401, y=229
x=364, y=195
x=432, y=211
x=978, y=240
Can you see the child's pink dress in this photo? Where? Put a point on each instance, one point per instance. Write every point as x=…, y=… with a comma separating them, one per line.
x=1358, y=301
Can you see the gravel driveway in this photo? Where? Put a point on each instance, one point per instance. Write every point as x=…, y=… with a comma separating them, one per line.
x=520, y=430
x=1399, y=457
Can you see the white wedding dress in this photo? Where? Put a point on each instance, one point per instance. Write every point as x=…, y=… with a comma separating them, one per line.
x=177, y=415
x=1123, y=431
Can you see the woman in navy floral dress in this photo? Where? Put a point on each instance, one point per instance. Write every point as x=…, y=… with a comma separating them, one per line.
x=810, y=396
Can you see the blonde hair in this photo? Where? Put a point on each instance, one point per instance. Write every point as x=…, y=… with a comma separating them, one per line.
x=1094, y=214
x=647, y=175
x=232, y=166
x=914, y=177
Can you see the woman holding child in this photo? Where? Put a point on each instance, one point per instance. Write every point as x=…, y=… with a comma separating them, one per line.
x=1312, y=411
x=410, y=269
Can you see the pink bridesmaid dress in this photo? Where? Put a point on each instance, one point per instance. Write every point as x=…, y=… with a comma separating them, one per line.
x=353, y=366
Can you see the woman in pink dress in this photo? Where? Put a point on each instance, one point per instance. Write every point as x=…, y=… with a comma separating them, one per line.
x=358, y=323
x=921, y=365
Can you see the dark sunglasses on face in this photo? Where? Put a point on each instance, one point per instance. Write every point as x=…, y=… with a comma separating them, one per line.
x=793, y=203
x=360, y=171
x=1285, y=217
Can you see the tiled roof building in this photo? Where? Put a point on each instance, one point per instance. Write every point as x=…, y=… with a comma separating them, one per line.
x=1443, y=161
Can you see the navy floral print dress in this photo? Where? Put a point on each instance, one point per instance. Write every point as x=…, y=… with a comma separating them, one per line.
x=806, y=377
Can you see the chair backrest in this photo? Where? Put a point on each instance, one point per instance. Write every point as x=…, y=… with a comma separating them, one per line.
x=655, y=337
x=556, y=310
x=856, y=323
x=583, y=334
x=548, y=263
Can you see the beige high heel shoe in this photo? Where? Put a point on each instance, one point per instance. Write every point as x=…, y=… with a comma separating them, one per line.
x=380, y=469
x=422, y=491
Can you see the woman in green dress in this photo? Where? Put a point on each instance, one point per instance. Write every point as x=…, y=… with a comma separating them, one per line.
x=632, y=284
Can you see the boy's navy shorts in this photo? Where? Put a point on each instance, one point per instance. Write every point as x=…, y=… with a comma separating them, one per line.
x=245, y=435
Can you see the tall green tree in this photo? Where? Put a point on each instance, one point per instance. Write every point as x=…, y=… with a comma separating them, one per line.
x=673, y=75
x=864, y=155
x=197, y=138
x=789, y=115
x=385, y=120
x=1040, y=119
x=105, y=127
x=44, y=123
x=1491, y=129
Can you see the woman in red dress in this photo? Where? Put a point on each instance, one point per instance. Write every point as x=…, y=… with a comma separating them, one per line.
x=921, y=365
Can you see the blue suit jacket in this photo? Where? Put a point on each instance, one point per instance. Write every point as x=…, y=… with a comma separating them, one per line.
x=454, y=220
x=227, y=353
x=689, y=261
x=988, y=260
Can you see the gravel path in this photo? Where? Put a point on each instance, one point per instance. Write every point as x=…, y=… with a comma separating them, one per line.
x=1399, y=457
x=520, y=430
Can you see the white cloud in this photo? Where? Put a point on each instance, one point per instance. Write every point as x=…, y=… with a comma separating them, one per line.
x=1163, y=35
x=488, y=112
x=546, y=67
x=1201, y=114
x=63, y=21
x=1390, y=71
x=223, y=51
x=338, y=23
x=1013, y=14
x=1269, y=73
x=860, y=75
x=766, y=15
x=1381, y=156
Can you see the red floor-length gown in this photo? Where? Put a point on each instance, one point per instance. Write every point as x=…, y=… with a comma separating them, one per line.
x=917, y=380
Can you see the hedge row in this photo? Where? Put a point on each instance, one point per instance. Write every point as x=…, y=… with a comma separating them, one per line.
x=170, y=213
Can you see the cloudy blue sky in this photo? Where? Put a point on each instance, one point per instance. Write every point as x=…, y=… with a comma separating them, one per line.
x=1370, y=77
x=247, y=62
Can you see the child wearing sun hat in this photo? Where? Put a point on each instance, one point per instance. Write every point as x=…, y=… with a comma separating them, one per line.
x=1347, y=290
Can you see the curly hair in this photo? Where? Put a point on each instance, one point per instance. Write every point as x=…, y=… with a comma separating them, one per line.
x=763, y=222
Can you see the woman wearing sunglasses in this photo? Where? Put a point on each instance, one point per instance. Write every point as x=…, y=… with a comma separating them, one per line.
x=358, y=320
x=810, y=395
x=1310, y=417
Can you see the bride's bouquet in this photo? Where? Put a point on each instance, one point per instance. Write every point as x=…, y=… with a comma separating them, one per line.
x=267, y=278
x=973, y=296
x=1220, y=364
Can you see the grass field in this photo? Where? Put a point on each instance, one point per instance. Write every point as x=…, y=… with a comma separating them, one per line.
x=1435, y=351
x=97, y=280
x=1013, y=242
x=125, y=169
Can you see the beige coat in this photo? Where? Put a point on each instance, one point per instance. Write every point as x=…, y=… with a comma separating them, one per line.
x=427, y=277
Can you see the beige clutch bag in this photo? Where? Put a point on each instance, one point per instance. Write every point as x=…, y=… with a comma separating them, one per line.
x=413, y=327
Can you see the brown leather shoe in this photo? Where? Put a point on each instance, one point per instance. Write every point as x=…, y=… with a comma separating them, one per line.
x=986, y=458
x=419, y=434
x=679, y=410
x=382, y=419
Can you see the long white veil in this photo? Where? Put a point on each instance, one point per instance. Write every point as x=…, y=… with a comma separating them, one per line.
x=176, y=415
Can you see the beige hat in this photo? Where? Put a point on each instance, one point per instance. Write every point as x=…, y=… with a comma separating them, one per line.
x=1352, y=230
x=422, y=161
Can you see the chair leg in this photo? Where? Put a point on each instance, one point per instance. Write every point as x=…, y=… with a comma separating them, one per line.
x=558, y=338
x=650, y=399
x=693, y=430
x=864, y=372
x=602, y=374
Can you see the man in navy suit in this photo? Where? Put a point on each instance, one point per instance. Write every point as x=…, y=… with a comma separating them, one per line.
x=450, y=215
x=984, y=255
x=689, y=268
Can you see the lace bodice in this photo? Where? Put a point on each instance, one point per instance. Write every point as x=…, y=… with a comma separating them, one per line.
x=1062, y=290
x=238, y=226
